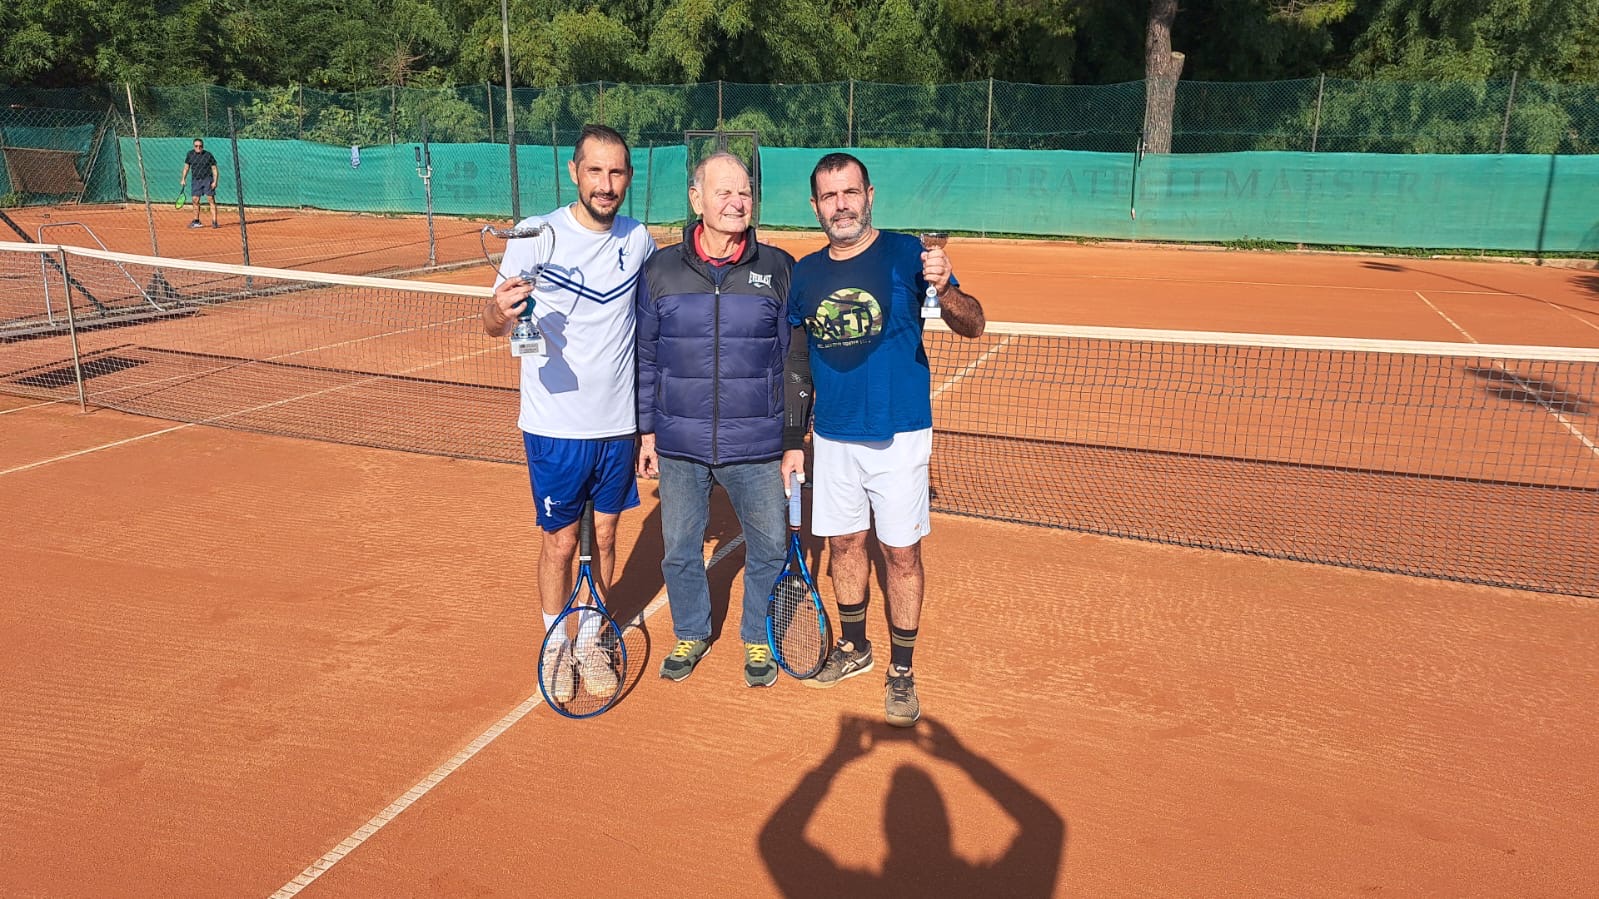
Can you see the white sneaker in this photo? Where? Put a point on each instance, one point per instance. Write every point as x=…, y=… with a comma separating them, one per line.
x=599, y=678
x=557, y=674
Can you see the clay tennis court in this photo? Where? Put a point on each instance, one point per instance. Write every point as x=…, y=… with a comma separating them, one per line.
x=240, y=664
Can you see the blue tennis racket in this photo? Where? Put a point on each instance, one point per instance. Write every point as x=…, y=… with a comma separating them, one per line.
x=796, y=622
x=583, y=661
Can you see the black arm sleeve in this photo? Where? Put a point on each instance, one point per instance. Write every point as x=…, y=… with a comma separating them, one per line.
x=797, y=394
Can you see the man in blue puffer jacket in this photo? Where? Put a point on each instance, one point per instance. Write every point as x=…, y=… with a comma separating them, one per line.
x=713, y=334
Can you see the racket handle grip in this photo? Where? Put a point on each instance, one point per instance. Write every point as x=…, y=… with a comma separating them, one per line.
x=794, y=511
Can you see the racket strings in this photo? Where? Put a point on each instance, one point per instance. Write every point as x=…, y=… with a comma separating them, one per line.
x=796, y=626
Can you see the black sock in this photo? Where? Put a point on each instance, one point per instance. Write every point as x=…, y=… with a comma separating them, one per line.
x=852, y=624
x=904, y=645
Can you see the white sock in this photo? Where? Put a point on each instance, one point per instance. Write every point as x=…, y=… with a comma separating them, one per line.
x=549, y=621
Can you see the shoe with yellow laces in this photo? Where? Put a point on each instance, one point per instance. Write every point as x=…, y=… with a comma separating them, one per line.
x=759, y=669
x=680, y=662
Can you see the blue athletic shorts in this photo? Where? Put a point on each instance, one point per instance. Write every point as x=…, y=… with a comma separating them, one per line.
x=204, y=188
x=565, y=473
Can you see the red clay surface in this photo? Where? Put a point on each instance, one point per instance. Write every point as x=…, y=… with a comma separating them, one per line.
x=226, y=653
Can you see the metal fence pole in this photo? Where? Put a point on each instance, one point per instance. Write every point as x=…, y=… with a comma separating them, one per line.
x=1315, y=124
x=238, y=184
x=1510, y=104
x=849, y=118
x=718, y=104
x=488, y=90
x=988, y=123
x=510, y=111
x=144, y=179
x=299, y=105
x=649, y=179
x=555, y=154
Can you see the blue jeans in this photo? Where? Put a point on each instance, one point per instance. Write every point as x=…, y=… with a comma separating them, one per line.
x=756, y=491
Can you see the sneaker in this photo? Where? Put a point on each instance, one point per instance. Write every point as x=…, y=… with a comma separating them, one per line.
x=558, y=674
x=759, y=670
x=195, y=224
x=599, y=674
x=215, y=225
x=680, y=662
x=844, y=661
x=900, y=705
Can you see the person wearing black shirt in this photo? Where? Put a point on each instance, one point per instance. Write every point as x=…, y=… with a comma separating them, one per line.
x=204, y=166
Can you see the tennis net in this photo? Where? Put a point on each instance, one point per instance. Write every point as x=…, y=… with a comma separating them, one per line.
x=1466, y=462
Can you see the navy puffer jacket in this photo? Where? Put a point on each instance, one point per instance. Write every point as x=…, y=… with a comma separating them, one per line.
x=711, y=345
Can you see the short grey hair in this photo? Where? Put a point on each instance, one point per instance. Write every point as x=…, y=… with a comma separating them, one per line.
x=699, y=170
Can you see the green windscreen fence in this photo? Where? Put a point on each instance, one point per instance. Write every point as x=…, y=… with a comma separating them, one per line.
x=1494, y=202
x=1530, y=203
x=57, y=155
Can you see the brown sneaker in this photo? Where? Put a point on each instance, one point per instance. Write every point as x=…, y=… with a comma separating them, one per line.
x=900, y=705
x=845, y=661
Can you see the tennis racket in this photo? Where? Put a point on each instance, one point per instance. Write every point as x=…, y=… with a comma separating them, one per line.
x=535, y=248
x=182, y=198
x=583, y=660
x=796, y=623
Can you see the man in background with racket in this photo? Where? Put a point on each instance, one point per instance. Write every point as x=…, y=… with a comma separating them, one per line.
x=712, y=338
x=577, y=397
x=203, y=166
x=858, y=302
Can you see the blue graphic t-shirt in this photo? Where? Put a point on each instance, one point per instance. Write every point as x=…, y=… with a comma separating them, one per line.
x=863, y=316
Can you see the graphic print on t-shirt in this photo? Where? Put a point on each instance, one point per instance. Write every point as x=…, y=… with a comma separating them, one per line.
x=848, y=317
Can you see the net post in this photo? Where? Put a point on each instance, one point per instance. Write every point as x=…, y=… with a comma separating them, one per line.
x=238, y=186
x=144, y=178
x=1510, y=104
x=1315, y=122
x=72, y=329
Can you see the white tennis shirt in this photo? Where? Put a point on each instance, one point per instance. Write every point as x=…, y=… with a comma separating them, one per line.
x=583, y=386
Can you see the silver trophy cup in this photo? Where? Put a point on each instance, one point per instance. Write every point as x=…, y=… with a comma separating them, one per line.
x=526, y=338
x=930, y=307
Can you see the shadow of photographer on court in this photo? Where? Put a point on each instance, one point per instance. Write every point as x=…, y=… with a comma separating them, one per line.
x=916, y=826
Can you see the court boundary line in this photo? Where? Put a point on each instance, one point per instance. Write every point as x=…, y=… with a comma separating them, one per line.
x=1556, y=414
x=424, y=786
x=33, y=406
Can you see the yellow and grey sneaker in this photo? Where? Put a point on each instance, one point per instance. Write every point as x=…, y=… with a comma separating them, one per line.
x=759, y=669
x=900, y=705
x=557, y=674
x=680, y=662
x=845, y=661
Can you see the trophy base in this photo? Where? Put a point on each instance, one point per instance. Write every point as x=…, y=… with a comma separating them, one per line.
x=527, y=346
x=932, y=312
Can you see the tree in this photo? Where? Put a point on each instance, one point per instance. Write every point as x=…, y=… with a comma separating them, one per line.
x=1162, y=68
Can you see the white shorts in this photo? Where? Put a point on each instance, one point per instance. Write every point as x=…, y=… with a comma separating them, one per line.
x=885, y=478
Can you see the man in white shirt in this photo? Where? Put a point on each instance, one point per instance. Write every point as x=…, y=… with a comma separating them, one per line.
x=578, y=415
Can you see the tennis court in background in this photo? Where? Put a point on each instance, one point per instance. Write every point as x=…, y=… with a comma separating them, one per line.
x=246, y=663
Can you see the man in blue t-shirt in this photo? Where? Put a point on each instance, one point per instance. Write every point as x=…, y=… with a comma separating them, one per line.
x=203, y=166
x=858, y=302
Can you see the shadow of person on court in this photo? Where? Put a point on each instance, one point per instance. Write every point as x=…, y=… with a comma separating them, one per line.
x=917, y=827
x=1589, y=282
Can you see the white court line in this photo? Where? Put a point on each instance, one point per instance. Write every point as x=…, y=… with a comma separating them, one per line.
x=1527, y=388
x=1452, y=323
x=33, y=406
x=216, y=418
x=425, y=785
x=972, y=366
x=93, y=449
